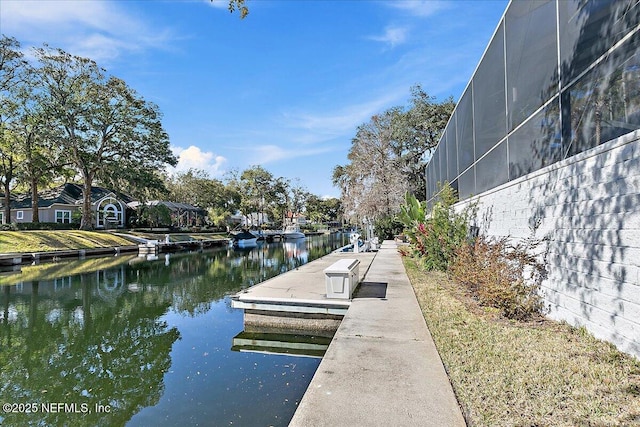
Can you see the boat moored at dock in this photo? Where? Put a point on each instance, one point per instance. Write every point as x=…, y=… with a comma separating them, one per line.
x=244, y=239
x=293, y=232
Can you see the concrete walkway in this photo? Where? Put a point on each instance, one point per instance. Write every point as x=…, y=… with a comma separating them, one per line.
x=382, y=367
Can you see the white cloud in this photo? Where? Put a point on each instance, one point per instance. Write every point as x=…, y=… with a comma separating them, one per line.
x=100, y=30
x=269, y=153
x=314, y=127
x=263, y=154
x=392, y=36
x=219, y=4
x=194, y=158
x=420, y=8
x=310, y=133
x=313, y=133
x=91, y=13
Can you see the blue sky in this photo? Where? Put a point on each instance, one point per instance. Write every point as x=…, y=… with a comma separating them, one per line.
x=285, y=88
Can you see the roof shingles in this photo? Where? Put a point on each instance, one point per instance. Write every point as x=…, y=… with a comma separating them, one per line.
x=66, y=194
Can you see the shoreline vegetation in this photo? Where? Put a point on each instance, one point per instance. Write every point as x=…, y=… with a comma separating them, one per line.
x=540, y=372
x=15, y=242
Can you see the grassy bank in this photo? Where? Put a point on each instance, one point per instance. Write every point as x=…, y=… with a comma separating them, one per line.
x=43, y=241
x=540, y=373
x=180, y=237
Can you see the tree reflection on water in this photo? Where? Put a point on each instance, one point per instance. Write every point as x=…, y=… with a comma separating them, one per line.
x=111, y=331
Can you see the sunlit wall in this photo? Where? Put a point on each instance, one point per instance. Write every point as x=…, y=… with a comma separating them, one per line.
x=559, y=77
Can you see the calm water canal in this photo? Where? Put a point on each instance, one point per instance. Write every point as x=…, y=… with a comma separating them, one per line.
x=136, y=342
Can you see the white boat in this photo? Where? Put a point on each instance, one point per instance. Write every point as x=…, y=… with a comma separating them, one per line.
x=293, y=232
x=244, y=239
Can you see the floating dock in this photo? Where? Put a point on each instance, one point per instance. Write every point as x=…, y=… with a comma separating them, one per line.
x=297, y=301
x=381, y=366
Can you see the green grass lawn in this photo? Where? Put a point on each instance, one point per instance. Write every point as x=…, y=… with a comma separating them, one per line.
x=180, y=237
x=43, y=241
x=539, y=373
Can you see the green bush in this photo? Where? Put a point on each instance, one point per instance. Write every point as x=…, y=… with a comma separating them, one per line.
x=435, y=239
x=498, y=274
x=388, y=227
x=154, y=216
x=37, y=226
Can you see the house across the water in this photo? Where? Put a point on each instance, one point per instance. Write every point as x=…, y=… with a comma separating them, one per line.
x=61, y=203
x=111, y=209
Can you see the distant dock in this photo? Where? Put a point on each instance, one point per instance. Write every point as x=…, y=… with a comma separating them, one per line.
x=163, y=246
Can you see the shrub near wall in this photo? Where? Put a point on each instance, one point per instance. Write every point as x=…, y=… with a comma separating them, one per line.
x=37, y=226
x=496, y=273
x=501, y=275
x=388, y=227
x=436, y=239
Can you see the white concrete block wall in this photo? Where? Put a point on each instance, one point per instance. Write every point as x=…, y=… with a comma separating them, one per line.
x=588, y=207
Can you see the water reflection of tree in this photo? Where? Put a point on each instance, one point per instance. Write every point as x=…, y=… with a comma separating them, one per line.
x=95, y=353
x=604, y=104
x=199, y=279
x=601, y=104
x=101, y=340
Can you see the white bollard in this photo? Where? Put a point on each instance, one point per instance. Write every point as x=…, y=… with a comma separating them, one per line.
x=354, y=240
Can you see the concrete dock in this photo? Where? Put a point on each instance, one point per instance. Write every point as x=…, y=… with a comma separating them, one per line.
x=381, y=367
x=297, y=300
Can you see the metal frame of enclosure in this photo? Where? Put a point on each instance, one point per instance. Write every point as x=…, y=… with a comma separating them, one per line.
x=559, y=77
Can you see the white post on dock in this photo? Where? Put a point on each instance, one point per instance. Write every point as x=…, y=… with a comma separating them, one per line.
x=354, y=239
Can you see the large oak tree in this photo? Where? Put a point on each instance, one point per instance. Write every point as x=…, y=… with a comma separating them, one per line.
x=416, y=132
x=388, y=156
x=105, y=124
x=373, y=184
x=11, y=74
x=197, y=188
